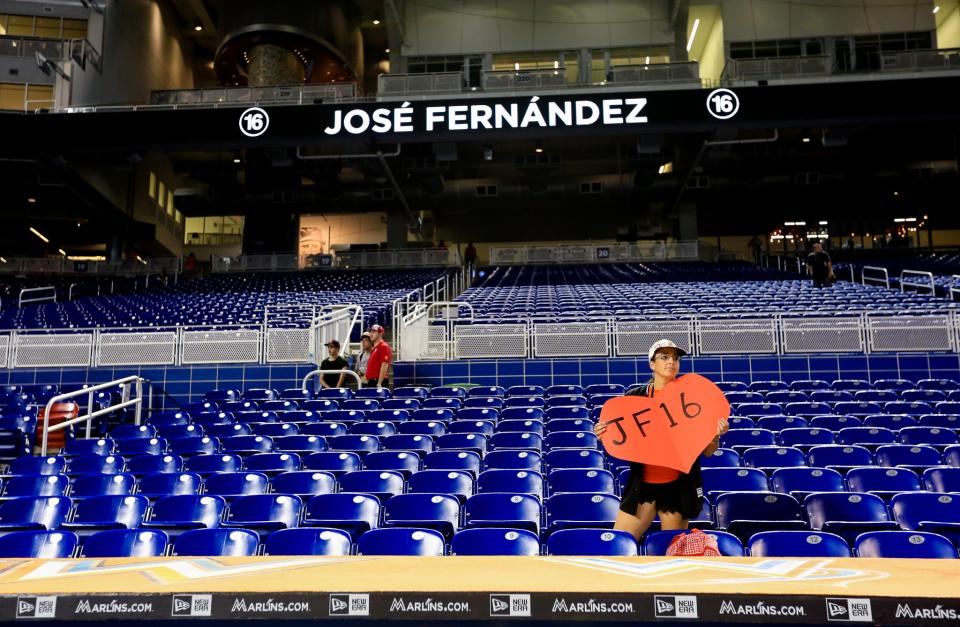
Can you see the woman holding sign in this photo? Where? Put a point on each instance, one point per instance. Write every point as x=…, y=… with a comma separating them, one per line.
x=674, y=495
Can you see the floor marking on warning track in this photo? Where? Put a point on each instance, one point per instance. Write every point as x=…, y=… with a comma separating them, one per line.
x=775, y=571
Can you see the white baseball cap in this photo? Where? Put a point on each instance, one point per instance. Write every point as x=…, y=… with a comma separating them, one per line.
x=664, y=344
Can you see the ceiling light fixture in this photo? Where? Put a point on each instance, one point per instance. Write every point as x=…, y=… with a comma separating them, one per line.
x=376, y=22
x=40, y=235
x=693, y=33
x=198, y=28
x=538, y=148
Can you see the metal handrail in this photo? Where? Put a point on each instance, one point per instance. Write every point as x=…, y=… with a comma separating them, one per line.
x=59, y=398
x=953, y=288
x=885, y=281
x=50, y=298
x=318, y=373
x=906, y=274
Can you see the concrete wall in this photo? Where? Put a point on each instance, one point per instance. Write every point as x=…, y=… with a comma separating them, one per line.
x=948, y=24
x=319, y=232
x=436, y=27
x=143, y=49
x=752, y=20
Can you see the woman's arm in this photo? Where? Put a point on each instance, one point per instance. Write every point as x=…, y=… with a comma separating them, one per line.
x=722, y=427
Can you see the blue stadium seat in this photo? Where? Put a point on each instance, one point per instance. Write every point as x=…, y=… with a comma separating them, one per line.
x=458, y=483
x=38, y=544
x=148, y=464
x=260, y=394
x=130, y=432
x=356, y=513
x=305, y=483
x=807, y=409
x=604, y=388
x=96, y=464
x=951, y=456
x=572, y=458
x=495, y=541
x=483, y=402
x=511, y=481
x=200, y=408
x=513, y=460
x=272, y=463
x=746, y=513
x=360, y=444
x=908, y=409
x=806, y=437
x=221, y=395
x=401, y=541
x=404, y=462
x=525, y=390
x=486, y=391
x=380, y=483
x=719, y=480
x=809, y=385
x=897, y=385
x=904, y=544
x=935, y=436
x=234, y=484
x=938, y=384
x=279, y=405
x=876, y=396
x=462, y=442
x=750, y=397
x=295, y=394
x=942, y=479
x=213, y=463
x=34, y=513
x=799, y=482
x=525, y=402
x=186, y=511
x=835, y=423
x=847, y=514
x=797, y=544
x=217, y=543
x=300, y=444
x=520, y=426
x=418, y=443
x=506, y=440
x=102, y=485
x=831, y=397
x=566, y=413
x=747, y=437
x=783, y=397
x=208, y=421
x=839, y=456
x=581, y=480
x=947, y=407
x=161, y=484
x=578, y=510
x=193, y=445
x=923, y=396
x=421, y=427
x=561, y=425
x=274, y=430
x=308, y=541
x=264, y=513
x=346, y=416
x=732, y=386
x=36, y=485
x=857, y=408
x=595, y=542
x=324, y=429
x=107, y=512
x=767, y=386
x=772, y=457
x=522, y=413
x=721, y=458
x=126, y=543
x=906, y=455
x=476, y=414
x=228, y=430
x=928, y=511
x=943, y=421
x=448, y=392
x=169, y=432
x=442, y=403
x=92, y=446
x=394, y=416
x=521, y=511
x=373, y=393
x=656, y=543
x=51, y=465
x=755, y=410
x=407, y=404
x=246, y=444
x=320, y=404
x=361, y=404
x=850, y=385
x=893, y=422
x=884, y=482
x=440, y=512
x=779, y=423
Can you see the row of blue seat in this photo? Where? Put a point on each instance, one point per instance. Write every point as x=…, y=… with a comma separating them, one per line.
x=481, y=541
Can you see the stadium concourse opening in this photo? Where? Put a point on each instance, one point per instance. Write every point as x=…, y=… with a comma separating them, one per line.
x=446, y=311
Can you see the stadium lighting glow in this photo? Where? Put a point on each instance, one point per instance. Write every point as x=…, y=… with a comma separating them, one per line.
x=236, y=160
x=823, y=223
x=693, y=33
x=516, y=66
x=556, y=65
x=40, y=235
x=3, y=260
x=376, y=22
x=387, y=50
x=539, y=148
x=806, y=140
x=62, y=252
x=936, y=9
x=911, y=219
x=198, y=28
x=647, y=60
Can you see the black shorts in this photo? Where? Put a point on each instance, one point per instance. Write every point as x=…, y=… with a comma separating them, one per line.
x=372, y=383
x=680, y=496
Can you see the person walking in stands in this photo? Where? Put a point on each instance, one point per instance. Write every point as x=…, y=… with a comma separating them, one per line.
x=675, y=496
x=363, y=357
x=381, y=357
x=820, y=267
x=470, y=256
x=334, y=361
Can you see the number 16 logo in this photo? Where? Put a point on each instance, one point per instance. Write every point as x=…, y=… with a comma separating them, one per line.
x=254, y=122
x=723, y=104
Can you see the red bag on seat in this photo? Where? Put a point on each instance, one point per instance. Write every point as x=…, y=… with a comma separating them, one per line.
x=694, y=544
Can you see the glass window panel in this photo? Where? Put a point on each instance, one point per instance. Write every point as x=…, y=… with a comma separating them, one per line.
x=11, y=97
x=20, y=26
x=170, y=202
x=48, y=27
x=40, y=96
x=152, y=190
x=74, y=29
x=161, y=193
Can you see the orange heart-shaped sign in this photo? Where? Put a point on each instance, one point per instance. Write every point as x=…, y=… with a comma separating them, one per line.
x=672, y=429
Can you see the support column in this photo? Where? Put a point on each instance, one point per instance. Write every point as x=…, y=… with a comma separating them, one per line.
x=396, y=229
x=687, y=221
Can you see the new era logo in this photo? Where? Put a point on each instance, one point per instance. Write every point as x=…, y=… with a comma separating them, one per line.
x=349, y=605
x=37, y=607
x=849, y=610
x=509, y=605
x=675, y=606
x=192, y=605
